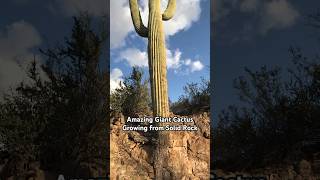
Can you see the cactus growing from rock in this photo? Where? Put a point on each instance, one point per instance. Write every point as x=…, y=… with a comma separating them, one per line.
x=157, y=67
x=156, y=50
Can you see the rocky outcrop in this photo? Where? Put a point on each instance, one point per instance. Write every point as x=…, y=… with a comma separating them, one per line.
x=187, y=153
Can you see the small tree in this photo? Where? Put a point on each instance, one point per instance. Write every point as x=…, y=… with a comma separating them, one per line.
x=132, y=98
x=278, y=116
x=61, y=121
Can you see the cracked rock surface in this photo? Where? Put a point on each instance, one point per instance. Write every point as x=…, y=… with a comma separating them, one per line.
x=187, y=153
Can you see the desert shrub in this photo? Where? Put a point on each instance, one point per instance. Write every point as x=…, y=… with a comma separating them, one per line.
x=132, y=98
x=196, y=98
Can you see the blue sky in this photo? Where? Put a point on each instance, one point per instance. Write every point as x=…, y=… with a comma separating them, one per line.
x=187, y=43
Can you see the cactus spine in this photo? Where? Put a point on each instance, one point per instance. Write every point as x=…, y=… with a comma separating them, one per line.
x=156, y=50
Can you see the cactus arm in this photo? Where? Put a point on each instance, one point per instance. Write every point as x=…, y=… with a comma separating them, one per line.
x=136, y=18
x=169, y=12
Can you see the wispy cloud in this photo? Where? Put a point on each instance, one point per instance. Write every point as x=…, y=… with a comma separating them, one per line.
x=16, y=44
x=267, y=15
x=115, y=79
x=136, y=57
x=196, y=66
x=278, y=14
x=173, y=59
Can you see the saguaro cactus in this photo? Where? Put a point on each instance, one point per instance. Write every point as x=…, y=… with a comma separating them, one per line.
x=156, y=50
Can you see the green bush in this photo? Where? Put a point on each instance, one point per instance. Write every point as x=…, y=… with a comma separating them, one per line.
x=132, y=98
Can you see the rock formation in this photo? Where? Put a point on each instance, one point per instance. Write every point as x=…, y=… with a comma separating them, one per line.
x=187, y=153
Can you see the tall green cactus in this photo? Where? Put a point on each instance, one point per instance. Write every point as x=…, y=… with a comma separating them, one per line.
x=156, y=50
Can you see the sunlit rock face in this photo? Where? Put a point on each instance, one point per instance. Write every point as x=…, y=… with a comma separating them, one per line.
x=187, y=153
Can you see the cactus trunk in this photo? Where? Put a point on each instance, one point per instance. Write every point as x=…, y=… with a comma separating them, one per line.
x=156, y=50
x=157, y=68
x=157, y=61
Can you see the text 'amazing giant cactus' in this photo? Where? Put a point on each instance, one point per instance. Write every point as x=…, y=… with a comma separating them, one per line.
x=156, y=50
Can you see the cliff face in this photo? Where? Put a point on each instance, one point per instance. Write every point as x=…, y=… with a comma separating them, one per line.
x=187, y=152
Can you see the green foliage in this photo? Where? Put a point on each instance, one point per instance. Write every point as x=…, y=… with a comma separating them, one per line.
x=132, y=98
x=60, y=118
x=196, y=99
x=278, y=116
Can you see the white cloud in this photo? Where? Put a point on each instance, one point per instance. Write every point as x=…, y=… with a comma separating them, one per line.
x=278, y=14
x=17, y=39
x=173, y=59
x=179, y=65
x=187, y=62
x=72, y=7
x=120, y=22
x=187, y=12
x=135, y=57
x=115, y=79
x=266, y=15
x=16, y=43
x=196, y=66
